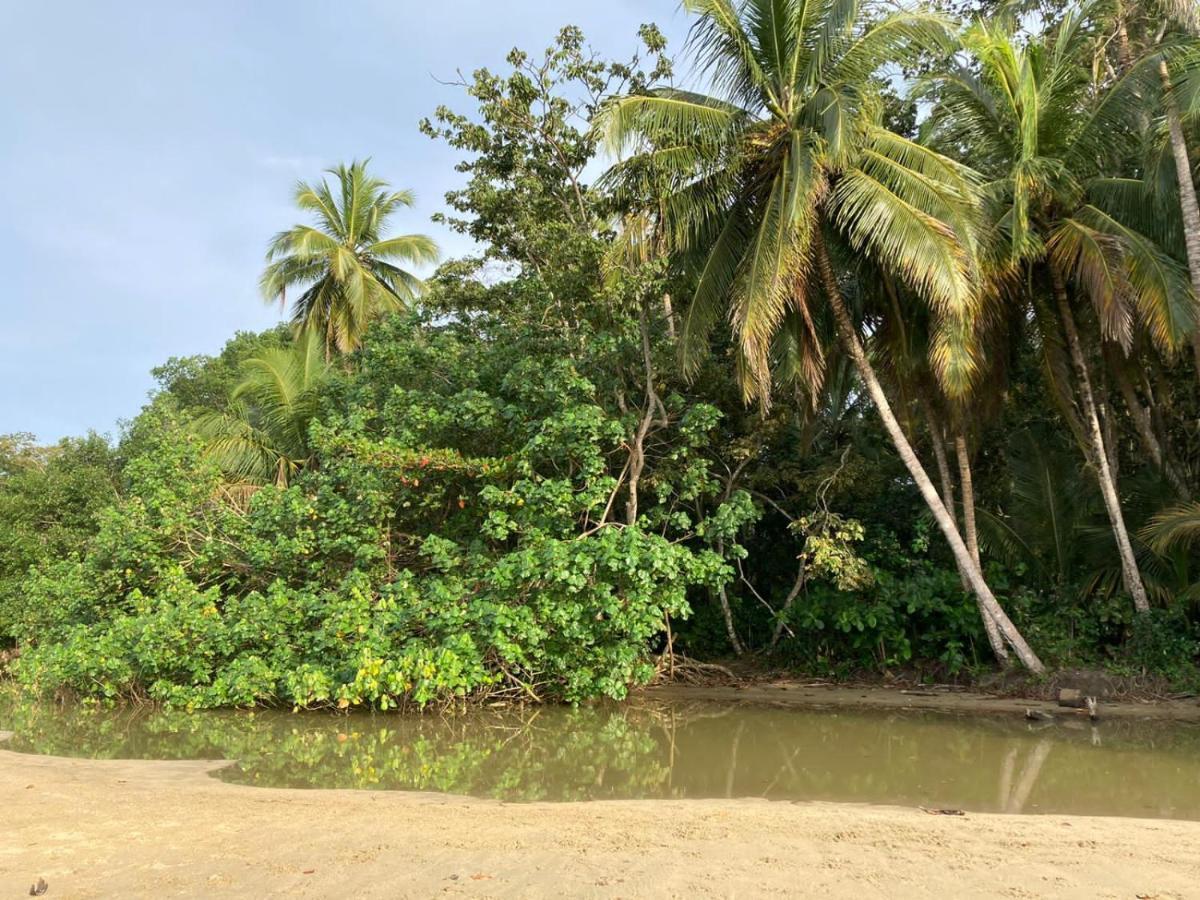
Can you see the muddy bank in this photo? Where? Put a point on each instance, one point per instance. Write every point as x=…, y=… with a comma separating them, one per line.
x=156, y=829
x=803, y=694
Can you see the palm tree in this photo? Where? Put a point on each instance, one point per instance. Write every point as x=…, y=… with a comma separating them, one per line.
x=787, y=166
x=263, y=437
x=901, y=351
x=1024, y=114
x=1156, y=18
x=343, y=266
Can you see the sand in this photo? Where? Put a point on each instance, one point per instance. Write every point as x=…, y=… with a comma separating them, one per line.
x=167, y=829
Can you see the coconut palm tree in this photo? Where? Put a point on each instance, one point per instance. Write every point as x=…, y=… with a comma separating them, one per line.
x=1155, y=19
x=900, y=349
x=1026, y=116
x=263, y=437
x=343, y=267
x=784, y=168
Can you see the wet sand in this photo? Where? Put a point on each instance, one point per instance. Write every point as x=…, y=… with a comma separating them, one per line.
x=167, y=829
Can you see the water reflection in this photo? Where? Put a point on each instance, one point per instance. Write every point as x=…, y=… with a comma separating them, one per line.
x=664, y=749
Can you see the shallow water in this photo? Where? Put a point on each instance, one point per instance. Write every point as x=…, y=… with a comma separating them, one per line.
x=664, y=749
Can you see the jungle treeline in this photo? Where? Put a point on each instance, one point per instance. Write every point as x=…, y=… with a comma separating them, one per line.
x=851, y=338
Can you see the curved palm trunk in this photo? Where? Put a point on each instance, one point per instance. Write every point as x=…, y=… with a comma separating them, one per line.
x=1188, y=205
x=968, y=490
x=968, y=499
x=1099, y=452
x=995, y=640
x=941, y=515
x=943, y=466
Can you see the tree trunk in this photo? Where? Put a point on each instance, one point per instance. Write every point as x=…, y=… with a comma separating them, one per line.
x=727, y=613
x=1099, y=452
x=995, y=640
x=968, y=499
x=1188, y=205
x=968, y=491
x=943, y=464
x=1143, y=424
x=1124, y=54
x=797, y=587
x=654, y=406
x=941, y=515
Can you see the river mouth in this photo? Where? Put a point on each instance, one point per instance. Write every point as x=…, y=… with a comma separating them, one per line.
x=663, y=749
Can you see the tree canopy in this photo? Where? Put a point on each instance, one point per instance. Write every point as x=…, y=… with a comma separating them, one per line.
x=871, y=346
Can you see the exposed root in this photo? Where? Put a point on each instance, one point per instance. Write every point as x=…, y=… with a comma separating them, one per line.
x=676, y=669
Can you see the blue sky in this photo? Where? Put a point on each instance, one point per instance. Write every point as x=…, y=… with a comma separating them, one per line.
x=148, y=151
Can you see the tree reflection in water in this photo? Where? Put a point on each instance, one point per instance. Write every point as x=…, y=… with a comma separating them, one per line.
x=658, y=749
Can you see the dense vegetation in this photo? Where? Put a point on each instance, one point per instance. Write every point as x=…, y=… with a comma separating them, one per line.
x=850, y=376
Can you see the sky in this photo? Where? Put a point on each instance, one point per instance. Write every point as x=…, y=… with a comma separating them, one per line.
x=149, y=149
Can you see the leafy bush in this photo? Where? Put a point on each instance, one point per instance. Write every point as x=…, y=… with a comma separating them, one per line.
x=1165, y=643
x=901, y=619
x=404, y=568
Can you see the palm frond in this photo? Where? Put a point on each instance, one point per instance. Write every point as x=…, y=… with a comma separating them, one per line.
x=1096, y=263
x=341, y=265
x=1175, y=527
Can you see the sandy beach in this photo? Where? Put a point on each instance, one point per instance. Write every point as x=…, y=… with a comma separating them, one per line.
x=168, y=829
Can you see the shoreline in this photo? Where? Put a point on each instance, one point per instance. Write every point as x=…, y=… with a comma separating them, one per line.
x=800, y=694
x=99, y=828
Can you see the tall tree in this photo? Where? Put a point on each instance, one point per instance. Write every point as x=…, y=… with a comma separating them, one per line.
x=1139, y=28
x=1025, y=115
x=785, y=167
x=343, y=266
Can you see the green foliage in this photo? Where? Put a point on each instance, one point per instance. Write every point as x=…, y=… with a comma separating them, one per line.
x=263, y=436
x=407, y=568
x=919, y=618
x=343, y=267
x=1166, y=644
x=514, y=490
x=829, y=550
x=49, y=500
x=203, y=384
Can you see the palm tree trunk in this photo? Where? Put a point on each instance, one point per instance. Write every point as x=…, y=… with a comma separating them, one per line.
x=1143, y=424
x=943, y=464
x=941, y=515
x=968, y=499
x=995, y=640
x=968, y=491
x=1188, y=205
x=1099, y=452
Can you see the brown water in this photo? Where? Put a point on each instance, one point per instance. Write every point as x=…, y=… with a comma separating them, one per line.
x=656, y=749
